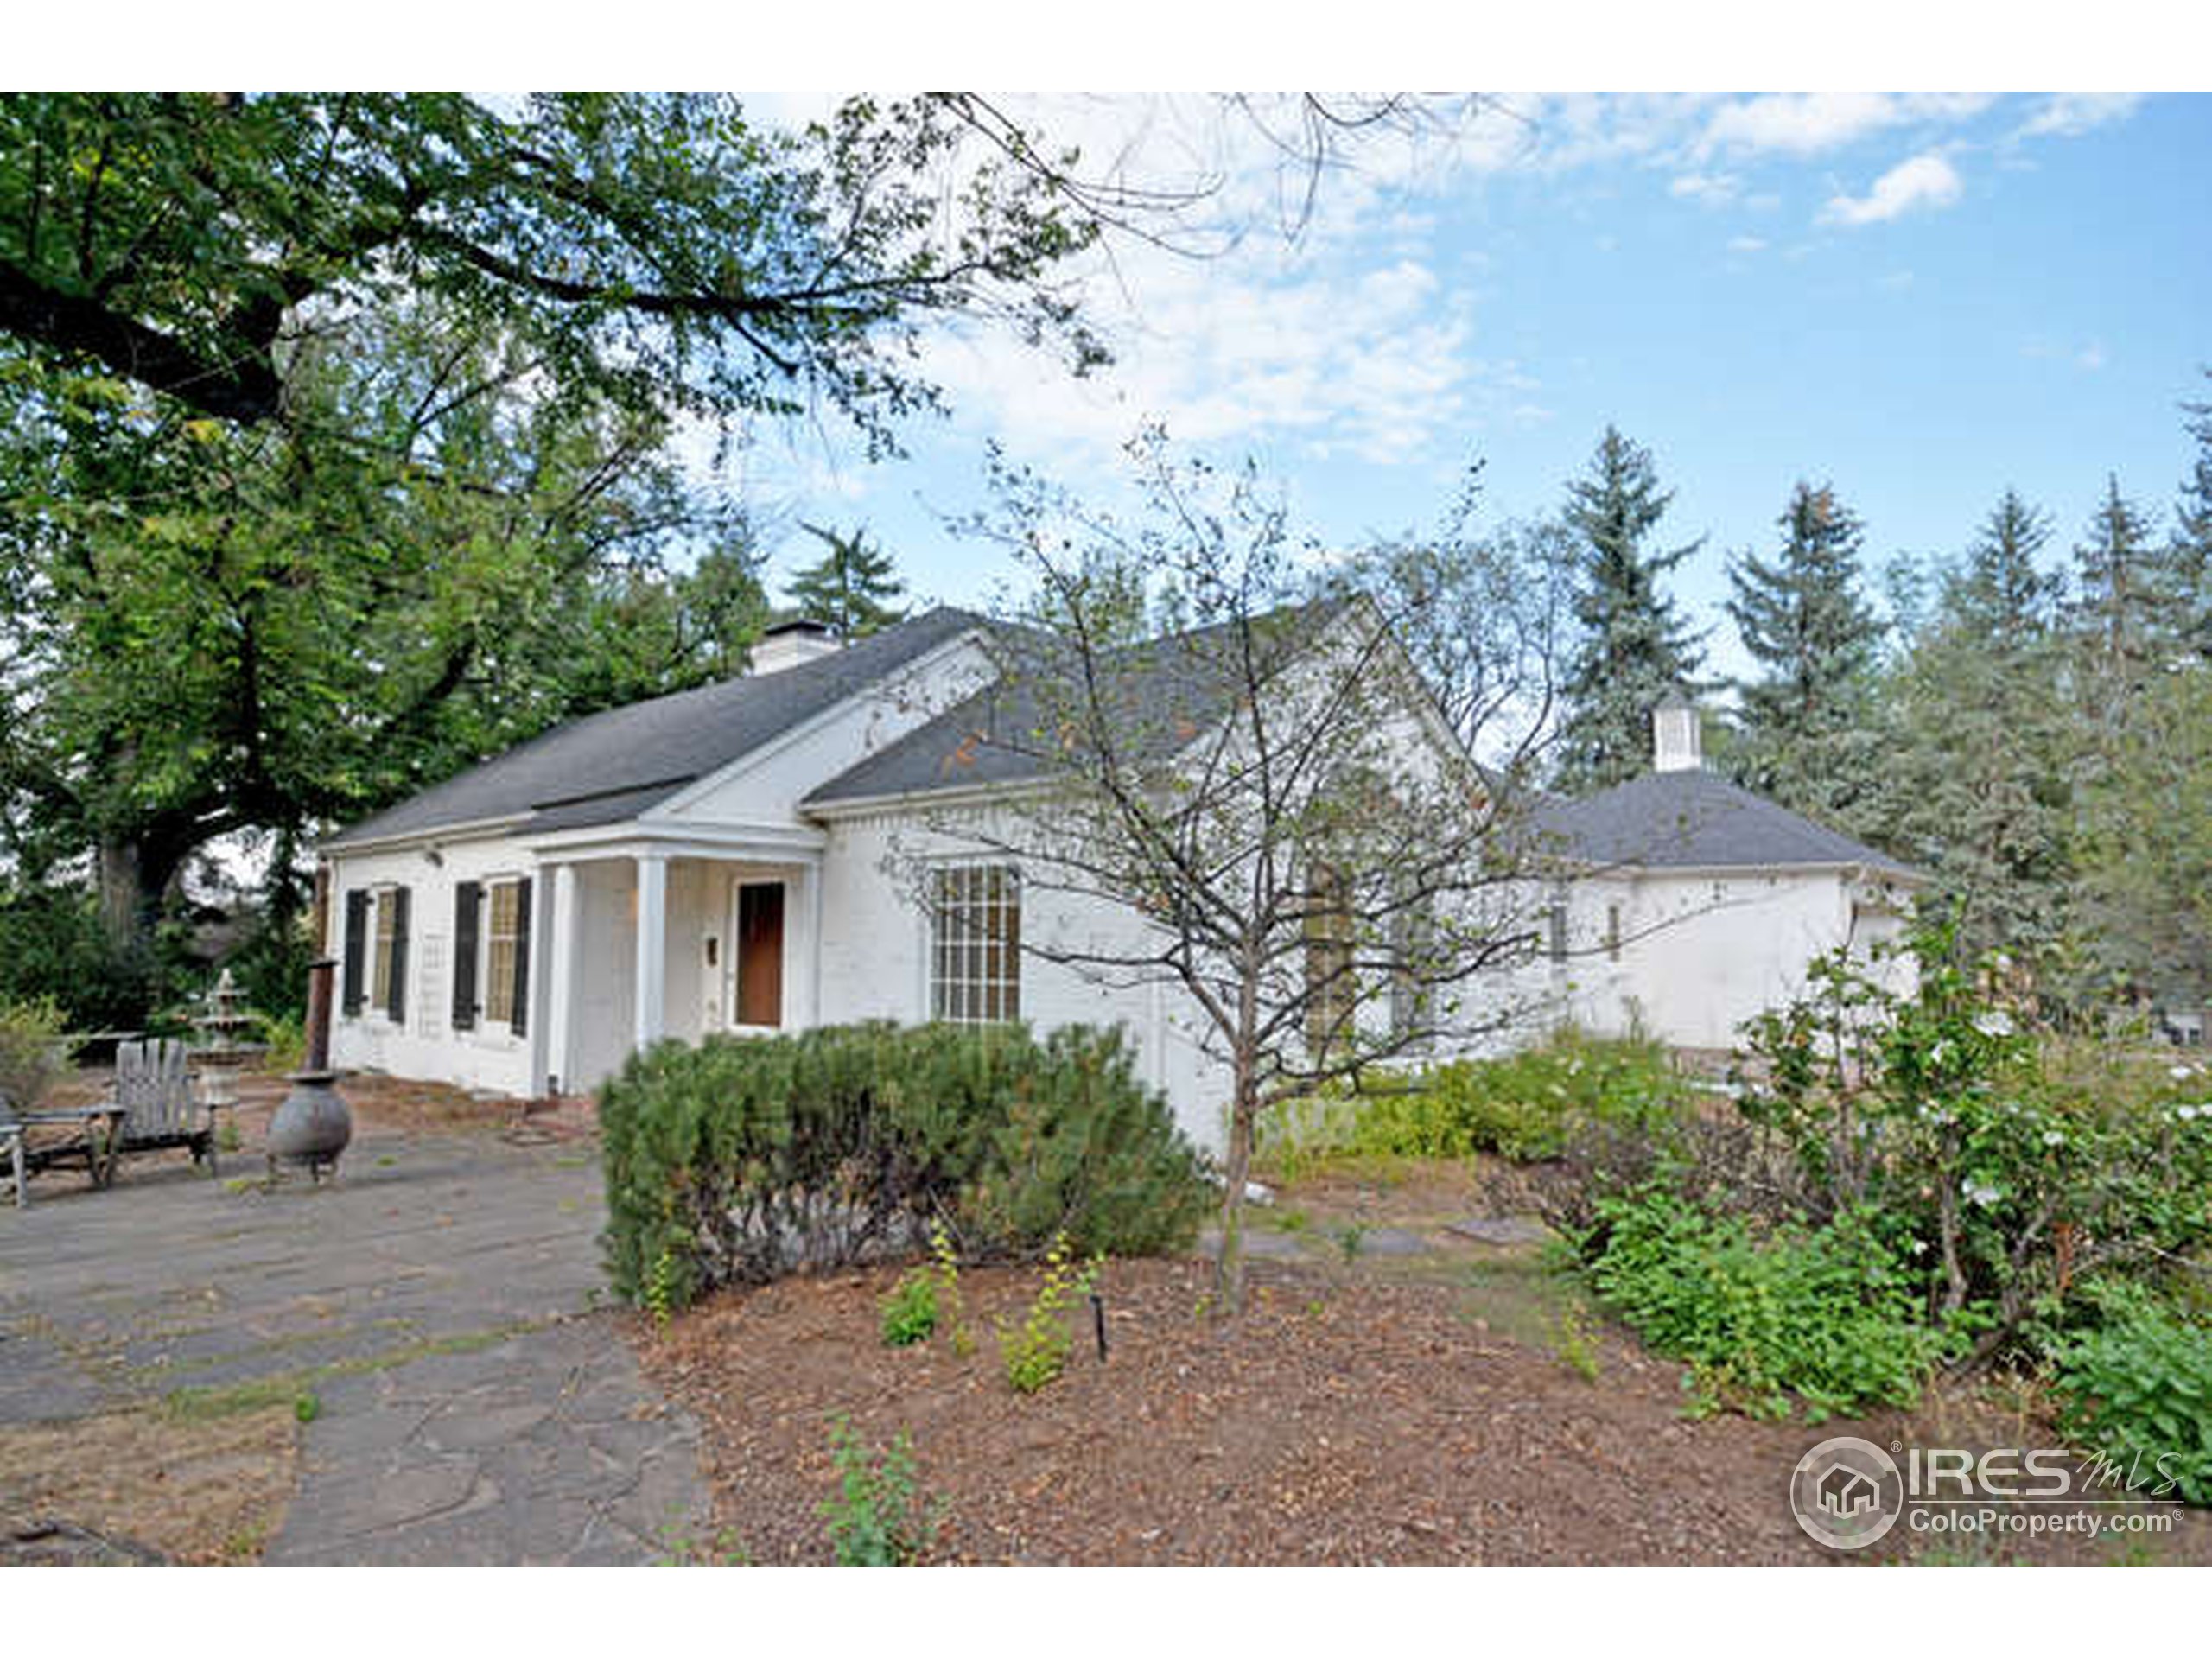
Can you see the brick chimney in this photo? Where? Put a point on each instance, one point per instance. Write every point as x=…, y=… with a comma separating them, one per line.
x=788, y=643
x=1677, y=735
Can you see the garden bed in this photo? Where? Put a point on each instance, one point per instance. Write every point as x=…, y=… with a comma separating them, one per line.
x=1364, y=1411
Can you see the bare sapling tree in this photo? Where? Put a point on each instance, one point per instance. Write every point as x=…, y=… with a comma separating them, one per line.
x=1256, y=800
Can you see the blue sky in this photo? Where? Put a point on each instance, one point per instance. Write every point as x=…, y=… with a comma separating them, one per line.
x=1922, y=297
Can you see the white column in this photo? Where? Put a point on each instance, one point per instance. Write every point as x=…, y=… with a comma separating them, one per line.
x=805, y=974
x=652, y=946
x=558, y=1020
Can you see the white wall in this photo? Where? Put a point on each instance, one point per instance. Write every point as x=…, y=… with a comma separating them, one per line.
x=424, y=1044
x=1700, y=954
x=875, y=963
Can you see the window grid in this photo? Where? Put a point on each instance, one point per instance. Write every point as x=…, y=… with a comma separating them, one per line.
x=387, y=915
x=975, y=943
x=500, y=951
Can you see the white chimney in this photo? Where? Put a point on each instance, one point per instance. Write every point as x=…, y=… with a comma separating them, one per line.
x=788, y=643
x=1677, y=735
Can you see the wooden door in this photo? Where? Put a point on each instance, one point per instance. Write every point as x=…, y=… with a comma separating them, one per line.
x=760, y=953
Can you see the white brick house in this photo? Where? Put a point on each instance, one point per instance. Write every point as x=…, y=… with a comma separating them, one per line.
x=722, y=859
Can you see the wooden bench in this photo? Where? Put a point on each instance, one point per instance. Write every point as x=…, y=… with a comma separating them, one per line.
x=163, y=1108
x=88, y=1136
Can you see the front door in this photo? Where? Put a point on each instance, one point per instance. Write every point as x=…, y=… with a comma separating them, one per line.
x=760, y=953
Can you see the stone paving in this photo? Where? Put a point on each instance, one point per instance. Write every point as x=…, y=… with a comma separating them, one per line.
x=441, y=1301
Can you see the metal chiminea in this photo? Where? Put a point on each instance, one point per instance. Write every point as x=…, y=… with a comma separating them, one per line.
x=313, y=1124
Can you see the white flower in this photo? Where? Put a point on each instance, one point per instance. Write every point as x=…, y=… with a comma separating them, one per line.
x=1982, y=1193
x=1939, y=1054
x=2179, y=1072
x=2185, y=1113
x=2053, y=1137
x=1920, y=1246
x=1995, y=1023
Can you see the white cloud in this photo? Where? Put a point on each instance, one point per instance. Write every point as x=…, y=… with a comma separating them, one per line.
x=1706, y=189
x=2068, y=115
x=1809, y=123
x=1926, y=181
x=1747, y=243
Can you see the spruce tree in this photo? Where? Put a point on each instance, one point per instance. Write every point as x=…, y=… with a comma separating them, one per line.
x=1633, y=647
x=2190, y=555
x=2122, y=614
x=850, y=588
x=1979, y=794
x=1999, y=593
x=1807, y=723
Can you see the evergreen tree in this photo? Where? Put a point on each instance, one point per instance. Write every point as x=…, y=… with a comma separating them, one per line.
x=851, y=586
x=2190, y=557
x=1633, y=648
x=1999, y=594
x=1807, y=723
x=1977, y=773
x=2121, y=613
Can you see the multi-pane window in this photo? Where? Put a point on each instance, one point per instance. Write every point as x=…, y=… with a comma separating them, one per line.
x=500, y=935
x=975, y=943
x=1331, y=991
x=387, y=914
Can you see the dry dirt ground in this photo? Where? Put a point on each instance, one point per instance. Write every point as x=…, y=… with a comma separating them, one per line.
x=1416, y=1408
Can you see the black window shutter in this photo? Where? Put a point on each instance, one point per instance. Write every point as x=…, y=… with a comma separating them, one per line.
x=519, y=1021
x=357, y=927
x=398, y=899
x=467, y=896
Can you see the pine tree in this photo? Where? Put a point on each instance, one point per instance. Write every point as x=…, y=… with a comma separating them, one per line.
x=2190, y=555
x=1978, y=790
x=850, y=588
x=2121, y=613
x=1807, y=723
x=1999, y=594
x=1634, y=648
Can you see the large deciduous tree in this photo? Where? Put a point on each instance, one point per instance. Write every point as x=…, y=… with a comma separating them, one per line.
x=1633, y=647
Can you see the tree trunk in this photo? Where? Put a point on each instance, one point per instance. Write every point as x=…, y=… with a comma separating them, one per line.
x=1229, y=1267
x=126, y=907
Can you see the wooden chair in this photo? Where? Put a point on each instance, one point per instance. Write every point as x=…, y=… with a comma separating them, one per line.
x=12, y=1152
x=164, y=1108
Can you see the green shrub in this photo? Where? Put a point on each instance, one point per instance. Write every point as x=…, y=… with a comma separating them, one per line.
x=32, y=1051
x=2139, y=1391
x=1525, y=1106
x=1823, y=1314
x=909, y=1312
x=878, y=1518
x=1036, y=1351
x=741, y=1159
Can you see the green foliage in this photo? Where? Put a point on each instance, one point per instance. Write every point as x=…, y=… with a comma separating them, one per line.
x=1824, y=1315
x=1633, y=646
x=850, y=588
x=2139, y=1391
x=1807, y=738
x=910, y=1311
x=878, y=1518
x=1524, y=1106
x=944, y=1264
x=739, y=1160
x=1578, y=1343
x=659, y=1295
x=1036, y=1351
x=32, y=1055
x=2005, y=1168
x=306, y=1407
x=284, y=1043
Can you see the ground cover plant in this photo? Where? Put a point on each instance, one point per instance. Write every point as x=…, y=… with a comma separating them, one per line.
x=738, y=1161
x=1909, y=1182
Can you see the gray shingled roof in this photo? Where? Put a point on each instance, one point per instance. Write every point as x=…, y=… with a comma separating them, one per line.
x=610, y=767
x=1171, y=687
x=1694, y=819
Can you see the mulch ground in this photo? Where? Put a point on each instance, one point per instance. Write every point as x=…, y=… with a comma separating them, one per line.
x=1342, y=1419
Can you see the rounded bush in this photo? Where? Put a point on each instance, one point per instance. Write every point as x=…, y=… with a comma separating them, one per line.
x=738, y=1160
